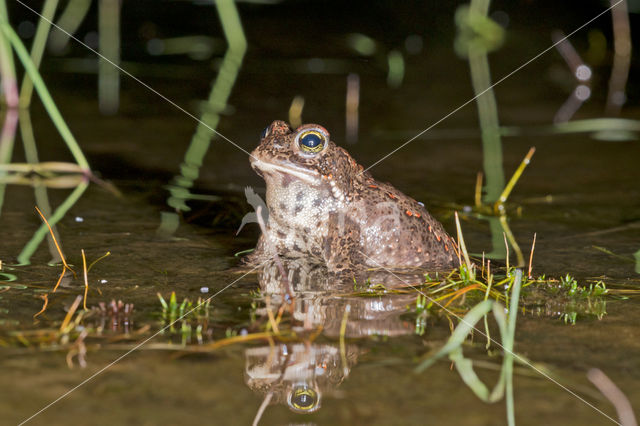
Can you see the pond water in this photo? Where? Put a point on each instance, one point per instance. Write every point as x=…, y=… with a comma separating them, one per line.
x=579, y=195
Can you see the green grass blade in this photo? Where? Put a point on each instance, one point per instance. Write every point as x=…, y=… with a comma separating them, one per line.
x=45, y=96
x=459, y=335
x=37, y=49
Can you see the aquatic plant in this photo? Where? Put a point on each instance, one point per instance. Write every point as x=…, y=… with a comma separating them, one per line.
x=40, y=86
x=563, y=298
x=37, y=49
x=69, y=336
x=477, y=36
x=421, y=314
x=567, y=300
x=468, y=285
x=461, y=282
x=188, y=314
x=507, y=326
x=34, y=172
x=570, y=285
x=66, y=267
x=179, y=188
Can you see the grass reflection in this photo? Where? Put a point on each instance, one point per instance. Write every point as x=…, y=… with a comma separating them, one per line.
x=180, y=186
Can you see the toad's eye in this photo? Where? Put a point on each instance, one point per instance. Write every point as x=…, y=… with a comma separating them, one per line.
x=312, y=141
x=303, y=399
x=264, y=133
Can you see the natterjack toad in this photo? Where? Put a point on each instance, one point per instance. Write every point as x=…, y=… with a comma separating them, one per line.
x=325, y=208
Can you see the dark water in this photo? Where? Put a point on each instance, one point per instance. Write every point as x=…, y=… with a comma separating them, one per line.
x=577, y=193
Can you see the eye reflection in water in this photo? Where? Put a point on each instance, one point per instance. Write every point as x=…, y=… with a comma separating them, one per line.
x=299, y=374
x=303, y=399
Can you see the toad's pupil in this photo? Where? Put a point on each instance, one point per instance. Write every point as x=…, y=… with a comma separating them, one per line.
x=311, y=140
x=303, y=400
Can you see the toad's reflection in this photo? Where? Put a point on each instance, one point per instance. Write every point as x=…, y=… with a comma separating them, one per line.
x=299, y=374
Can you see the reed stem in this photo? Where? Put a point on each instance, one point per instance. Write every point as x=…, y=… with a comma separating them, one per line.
x=7, y=65
x=37, y=49
x=45, y=96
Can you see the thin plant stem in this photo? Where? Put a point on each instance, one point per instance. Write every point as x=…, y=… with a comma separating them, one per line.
x=533, y=246
x=498, y=206
x=40, y=191
x=295, y=111
x=72, y=310
x=7, y=141
x=481, y=7
x=486, y=296
x=236, y=339
x=108, y=71
x=614, y=395
x=463, y=248
x=621, y=59
x=263, y=407
x=459, y=293
x=37, y=49
x=7, y=65
x=28, y=138
x=343, y=349
x=218, y=98
x=487, y=110
x=396, y=68
x=8, y=135
x=272, y=320
x=512, y=240
x=70, y=20
x=98, y=260
x=45, y=96
x=351, y=107
x=42, y=201
x=508, y=343
x=478, y=191
x=44, y=219
x=506, y=245
x=497, y=245
x=488, y=116
x=38, y=236
x=86, y=280
x=45, y=297
x=590, y=125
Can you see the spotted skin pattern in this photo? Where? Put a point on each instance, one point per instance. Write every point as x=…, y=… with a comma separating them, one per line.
x=324, y=207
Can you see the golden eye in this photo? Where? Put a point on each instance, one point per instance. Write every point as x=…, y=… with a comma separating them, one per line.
x=312, y=140
x=304, y=399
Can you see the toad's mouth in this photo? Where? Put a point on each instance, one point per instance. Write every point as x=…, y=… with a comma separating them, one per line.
x=306, y=175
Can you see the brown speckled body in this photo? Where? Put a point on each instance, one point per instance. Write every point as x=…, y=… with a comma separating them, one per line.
x=325, y=208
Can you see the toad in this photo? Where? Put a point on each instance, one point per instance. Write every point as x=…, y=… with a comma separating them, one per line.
x=325, y=208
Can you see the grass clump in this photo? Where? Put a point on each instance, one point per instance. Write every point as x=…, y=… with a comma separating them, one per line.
x=186, y=318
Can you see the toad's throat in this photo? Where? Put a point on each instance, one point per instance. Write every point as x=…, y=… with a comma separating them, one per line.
x=306, y=175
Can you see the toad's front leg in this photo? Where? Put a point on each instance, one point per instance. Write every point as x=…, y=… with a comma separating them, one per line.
x=341, y=247
x=259, y=255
